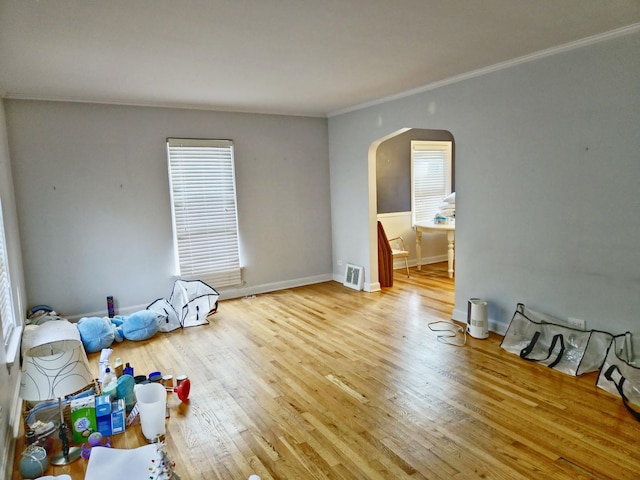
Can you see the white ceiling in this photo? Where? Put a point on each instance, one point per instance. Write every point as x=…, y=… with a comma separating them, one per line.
x=301, y=57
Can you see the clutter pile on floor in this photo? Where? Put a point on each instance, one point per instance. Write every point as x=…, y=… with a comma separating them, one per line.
x=190, y=303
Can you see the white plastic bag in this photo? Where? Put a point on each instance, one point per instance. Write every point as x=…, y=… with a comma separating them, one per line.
x=540, y=338
x=620, y=373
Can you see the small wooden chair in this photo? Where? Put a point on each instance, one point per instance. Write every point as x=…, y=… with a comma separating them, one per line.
x=398, y=250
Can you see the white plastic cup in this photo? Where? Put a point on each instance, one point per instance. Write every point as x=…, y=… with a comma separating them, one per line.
x=152, y=404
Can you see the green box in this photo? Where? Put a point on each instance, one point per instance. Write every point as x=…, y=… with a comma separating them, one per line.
x=83, y=418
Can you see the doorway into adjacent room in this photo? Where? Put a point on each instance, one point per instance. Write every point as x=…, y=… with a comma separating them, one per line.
x=391, y=195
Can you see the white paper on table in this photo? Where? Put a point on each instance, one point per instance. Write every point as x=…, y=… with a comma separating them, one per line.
x=111, y=463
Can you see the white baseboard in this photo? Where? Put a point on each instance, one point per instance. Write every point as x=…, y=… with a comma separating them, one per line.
x=397, y=264
x=372, y=287
x=229, y=293
x=225, y=294
x=104, y=313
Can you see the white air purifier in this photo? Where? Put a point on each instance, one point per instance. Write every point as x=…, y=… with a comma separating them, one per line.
x=477, y=321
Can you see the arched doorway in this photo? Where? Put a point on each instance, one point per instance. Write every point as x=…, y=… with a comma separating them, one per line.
x=390, y=193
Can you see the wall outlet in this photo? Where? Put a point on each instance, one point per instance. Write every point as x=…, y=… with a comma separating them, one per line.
x=339, y=262
x=578, y=323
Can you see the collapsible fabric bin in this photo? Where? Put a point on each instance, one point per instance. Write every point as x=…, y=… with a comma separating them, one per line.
x=540, y=338
x=620, y=373
x=190, y=303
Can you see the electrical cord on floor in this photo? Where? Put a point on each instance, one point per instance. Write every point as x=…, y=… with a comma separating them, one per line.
x=452, y=330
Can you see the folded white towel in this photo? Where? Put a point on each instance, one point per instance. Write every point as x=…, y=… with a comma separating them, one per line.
x=448, y=212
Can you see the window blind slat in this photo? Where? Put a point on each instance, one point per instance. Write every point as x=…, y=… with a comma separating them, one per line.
x=205, y=222
x=430, y=178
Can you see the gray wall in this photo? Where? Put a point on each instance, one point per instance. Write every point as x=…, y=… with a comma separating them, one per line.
x=93, y=200
x=547, y=169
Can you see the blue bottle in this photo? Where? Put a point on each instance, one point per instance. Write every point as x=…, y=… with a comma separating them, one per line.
x=127, y=370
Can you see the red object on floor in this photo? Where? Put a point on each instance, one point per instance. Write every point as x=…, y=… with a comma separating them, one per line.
x=182, y=390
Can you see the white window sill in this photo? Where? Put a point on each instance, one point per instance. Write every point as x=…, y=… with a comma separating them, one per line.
x=12, y=347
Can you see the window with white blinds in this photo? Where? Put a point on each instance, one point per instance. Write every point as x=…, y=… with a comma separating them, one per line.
x=430, y=178
x=205, y=220
x=6, y=303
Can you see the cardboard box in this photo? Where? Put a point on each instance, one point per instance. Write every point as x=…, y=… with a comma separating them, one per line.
x=117, y=416
x=103, y=414
x=83, y=418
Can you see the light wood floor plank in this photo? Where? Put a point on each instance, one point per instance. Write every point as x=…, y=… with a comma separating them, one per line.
x=323, y=382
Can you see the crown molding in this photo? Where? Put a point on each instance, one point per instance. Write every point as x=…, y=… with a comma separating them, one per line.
x=496, y=67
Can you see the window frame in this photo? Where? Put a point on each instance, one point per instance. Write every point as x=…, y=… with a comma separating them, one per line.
x=423, y=210
x=11, y=328
x=206, y=236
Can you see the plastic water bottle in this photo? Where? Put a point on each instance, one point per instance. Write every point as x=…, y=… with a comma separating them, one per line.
x=108, y=378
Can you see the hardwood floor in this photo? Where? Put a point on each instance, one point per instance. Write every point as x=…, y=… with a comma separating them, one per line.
x=323, y=382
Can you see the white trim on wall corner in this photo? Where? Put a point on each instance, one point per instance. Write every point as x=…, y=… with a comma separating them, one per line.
x=372, y=287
